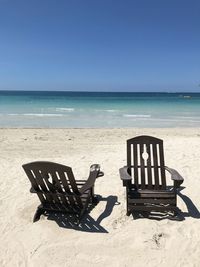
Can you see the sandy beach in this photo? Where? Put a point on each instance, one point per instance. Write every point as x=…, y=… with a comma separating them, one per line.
x=107, y=237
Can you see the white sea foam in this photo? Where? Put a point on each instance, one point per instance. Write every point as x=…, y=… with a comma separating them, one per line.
x=137, y=116
x=111, y=110
x=107, y=110
x=42, y=114
x=185, y=117
x=34, y=114
x=65, y=109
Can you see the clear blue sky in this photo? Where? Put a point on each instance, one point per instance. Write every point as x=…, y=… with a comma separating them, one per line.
x=100, y=45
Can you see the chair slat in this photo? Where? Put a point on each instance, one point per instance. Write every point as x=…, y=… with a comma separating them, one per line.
x=162, y=167
x=156, y=175
x=142, y=171
x=66, y=187
x=72, y=181
x=135, y=157
x=51, y=186
x=74, y=188
x=34, y=184
x=129, y=148
x=60, y=190
x=149, y=171
x=41, y=183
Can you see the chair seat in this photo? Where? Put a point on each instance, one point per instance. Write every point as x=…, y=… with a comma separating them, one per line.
x=151, y=194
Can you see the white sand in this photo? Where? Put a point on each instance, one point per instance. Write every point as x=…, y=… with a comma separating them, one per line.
x=128, y=242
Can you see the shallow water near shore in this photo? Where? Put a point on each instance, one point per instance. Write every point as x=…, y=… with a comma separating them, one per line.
x=98, y=109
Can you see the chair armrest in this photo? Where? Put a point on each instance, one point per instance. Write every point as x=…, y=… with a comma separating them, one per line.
x=123, y=172
x=94, y=173
x=125, y=177
x=175, y=176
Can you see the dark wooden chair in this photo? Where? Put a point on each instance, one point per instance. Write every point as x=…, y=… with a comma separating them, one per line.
x=58, y=190
x=145, y=179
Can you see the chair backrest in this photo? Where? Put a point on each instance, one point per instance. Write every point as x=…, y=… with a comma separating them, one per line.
x=54, y=183
x=145, y=160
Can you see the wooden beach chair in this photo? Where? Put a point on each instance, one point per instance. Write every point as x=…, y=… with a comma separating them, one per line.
x=58, y=190
x=145, y=179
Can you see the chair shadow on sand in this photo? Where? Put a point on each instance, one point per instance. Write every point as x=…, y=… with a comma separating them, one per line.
x=192, y=211
x=87, y=224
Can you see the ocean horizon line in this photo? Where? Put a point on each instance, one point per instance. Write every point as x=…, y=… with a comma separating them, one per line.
x=120, y=92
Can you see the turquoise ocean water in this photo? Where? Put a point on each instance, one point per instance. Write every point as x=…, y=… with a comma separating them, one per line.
x=92, y=109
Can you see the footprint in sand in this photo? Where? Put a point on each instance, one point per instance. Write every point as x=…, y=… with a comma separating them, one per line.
x=158, y=240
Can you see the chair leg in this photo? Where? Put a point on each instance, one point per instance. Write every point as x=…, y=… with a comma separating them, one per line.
x=128, y=213
x=82, y=213
x=95, y=200
x=80, y=217
x=38, y=213
x=175, y=213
